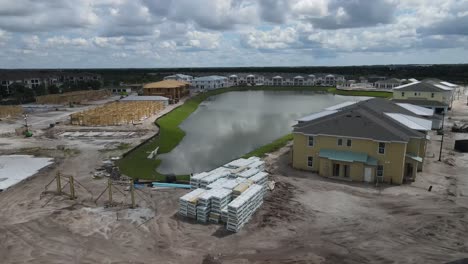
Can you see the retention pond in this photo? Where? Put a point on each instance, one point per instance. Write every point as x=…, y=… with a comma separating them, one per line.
x=229, y=125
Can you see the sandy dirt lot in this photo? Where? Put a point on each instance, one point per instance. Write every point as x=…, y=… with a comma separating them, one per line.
x=305, y=219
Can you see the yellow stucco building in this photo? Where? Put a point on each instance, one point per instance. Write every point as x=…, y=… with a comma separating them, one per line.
x=430, y=93
x=373, y=140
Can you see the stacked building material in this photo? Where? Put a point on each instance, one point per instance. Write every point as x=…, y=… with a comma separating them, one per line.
x=188, y=203
x=224, y=215
x=238, y=163
x=261, y=179
x=241, y=209
x=248, y=173
x=231, y=193
x=204, y=206
x=230, y=184
x=220, y=200
x=217, y=184
x=195, y=179
x=240, y=188
x=212, y=177
x=259, y=165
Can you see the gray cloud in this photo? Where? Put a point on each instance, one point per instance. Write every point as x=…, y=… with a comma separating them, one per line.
x=274, y=11
x=451, y=26
x=355, y=13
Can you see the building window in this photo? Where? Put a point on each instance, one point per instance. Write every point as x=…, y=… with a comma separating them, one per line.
x=415, y=94
x=311, y=141
x=348, y=142
x=310, y=161
x=380, y=171
x=402, y=94
x=381, y=148
x=340, y=142
x=432, y=95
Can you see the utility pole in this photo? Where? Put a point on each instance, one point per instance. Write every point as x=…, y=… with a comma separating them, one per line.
x=442, y=141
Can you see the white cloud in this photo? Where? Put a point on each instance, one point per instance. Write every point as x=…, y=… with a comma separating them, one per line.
x=202, y=40
x=206, y=32
x=276, y=38
x=65, y=41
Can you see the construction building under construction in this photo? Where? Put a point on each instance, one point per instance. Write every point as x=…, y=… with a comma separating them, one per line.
x=174, y=90
x=117, y=113
x=10, y=111
x=73, y=97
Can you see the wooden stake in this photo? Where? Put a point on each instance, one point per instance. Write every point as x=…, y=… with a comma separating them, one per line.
x=72, y=188
x=59, y=184
x=109, y=187
x=132, y=193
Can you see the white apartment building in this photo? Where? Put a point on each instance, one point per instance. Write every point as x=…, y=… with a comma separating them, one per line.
x=180, y=77
x=210, y=82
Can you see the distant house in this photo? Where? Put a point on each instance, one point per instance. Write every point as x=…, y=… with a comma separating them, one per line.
x=301, y=79
x=388, y=83
x=174, y=90
x=372, y=141
x=210, y=82
x=179, y=77
x=240, y=79
x=120, y=90
x=430, y=93
x=33, y=79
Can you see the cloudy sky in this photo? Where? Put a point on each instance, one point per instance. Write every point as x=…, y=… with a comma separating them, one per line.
x=200, y=33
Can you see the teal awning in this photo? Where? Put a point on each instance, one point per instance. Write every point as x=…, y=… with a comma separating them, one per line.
x=347, y=156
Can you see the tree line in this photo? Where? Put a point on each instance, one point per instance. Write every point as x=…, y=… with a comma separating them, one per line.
x=20, y=94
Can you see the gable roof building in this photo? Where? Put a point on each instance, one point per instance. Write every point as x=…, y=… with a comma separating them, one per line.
x=371, y=140
x=430, y=93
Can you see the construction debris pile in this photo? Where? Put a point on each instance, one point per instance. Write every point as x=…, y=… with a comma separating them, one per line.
x=73, y=97
x=117, y=113
x=229, y=194
x=460, y=127
x=10, y=111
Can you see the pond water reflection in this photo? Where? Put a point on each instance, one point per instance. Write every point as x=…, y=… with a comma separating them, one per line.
x=229, y=125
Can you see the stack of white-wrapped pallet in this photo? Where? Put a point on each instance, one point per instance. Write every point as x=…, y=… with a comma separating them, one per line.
x=248, y=173
x=261, y=179
x=204, y=206
x=213, y=176
x=188, y=203
x=228, y=194
x=195, y=179
x=219, y=200
x=241, y=187
x=230, y=184
x=242, y=208
x=217, y=184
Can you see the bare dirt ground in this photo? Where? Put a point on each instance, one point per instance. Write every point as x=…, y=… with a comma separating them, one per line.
x=305, y=219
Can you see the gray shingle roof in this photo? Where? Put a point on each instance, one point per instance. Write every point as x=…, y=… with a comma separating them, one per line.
x=420, y=87
x=365, y=119
x=420, y=102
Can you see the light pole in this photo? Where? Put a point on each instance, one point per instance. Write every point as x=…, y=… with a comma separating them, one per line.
x=442, y=141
